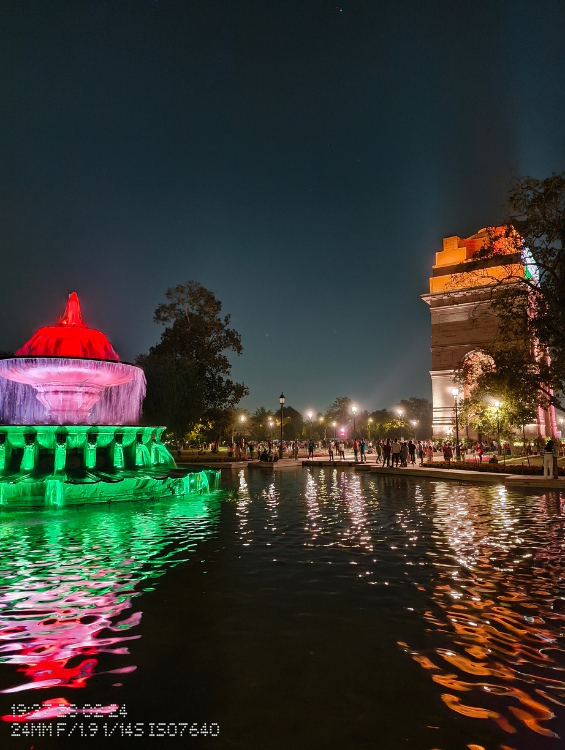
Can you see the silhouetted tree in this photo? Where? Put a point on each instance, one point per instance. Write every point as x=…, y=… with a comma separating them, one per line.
x=192, y=355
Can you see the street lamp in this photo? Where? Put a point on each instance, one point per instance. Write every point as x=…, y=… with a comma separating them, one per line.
x=455, y=394
x=310, y=415
x=354, y=410
x=497, y=405
x=370, y=420
x=281, y=402
x=400, y=413
x=271, y=423
x=334, y=424
x=325, y=428
x=414, y=422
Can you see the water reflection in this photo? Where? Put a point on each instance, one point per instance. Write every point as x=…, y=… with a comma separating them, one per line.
x=496, y=608
x=243, y=509
x=67, y=581
x=482, y=567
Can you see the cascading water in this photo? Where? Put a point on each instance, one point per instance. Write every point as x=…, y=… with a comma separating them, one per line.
x=70, y=385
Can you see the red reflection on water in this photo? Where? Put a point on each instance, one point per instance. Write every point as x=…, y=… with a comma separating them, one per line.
x=43, y=638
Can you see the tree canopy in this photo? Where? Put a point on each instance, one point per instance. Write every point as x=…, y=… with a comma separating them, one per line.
x=188, y=371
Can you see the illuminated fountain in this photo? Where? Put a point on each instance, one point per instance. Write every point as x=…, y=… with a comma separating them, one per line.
x=69, y=413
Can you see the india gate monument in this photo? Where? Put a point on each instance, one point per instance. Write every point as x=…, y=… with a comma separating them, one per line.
x=464, y=324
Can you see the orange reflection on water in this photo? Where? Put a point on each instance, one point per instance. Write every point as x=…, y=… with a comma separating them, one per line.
x=498, y=597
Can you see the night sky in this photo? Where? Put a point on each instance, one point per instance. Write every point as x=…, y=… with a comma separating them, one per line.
x=303, y=160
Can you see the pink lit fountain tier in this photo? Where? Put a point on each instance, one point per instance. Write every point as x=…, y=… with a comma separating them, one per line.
x=70, y=374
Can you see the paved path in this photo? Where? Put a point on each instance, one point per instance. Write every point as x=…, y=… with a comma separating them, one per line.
x=459, y=475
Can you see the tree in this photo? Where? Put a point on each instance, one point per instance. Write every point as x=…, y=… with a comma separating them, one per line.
x=485, y=381
x=339, y=411
x=420, y=410
x=175, y=395
x=292, y=423
x=191, y=355
x=529, y=297
x=381, y=423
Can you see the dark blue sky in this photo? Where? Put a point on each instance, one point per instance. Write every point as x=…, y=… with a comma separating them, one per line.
x=301, y=160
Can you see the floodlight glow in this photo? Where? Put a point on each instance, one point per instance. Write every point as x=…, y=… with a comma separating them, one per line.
x=497, y=404
x=455, y=392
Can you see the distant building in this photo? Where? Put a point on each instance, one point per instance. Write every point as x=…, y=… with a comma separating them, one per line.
x=464, y=323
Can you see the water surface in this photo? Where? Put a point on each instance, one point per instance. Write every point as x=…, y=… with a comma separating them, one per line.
x=311, y=608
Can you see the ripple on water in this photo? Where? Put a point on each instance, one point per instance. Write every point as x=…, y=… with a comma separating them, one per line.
x=68, y=579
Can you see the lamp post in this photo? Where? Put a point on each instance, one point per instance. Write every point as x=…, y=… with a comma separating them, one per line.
x=271, y=423
x=354, y=410
x=281, y=402
x=414, y=422
x=400, y=413
x=310, y=415
x=369, y=424
x=455, y=394
x=497, y=405
x=325, y=427
x=334, y=424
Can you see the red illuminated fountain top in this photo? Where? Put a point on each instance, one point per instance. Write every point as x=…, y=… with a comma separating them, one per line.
x=69, y=338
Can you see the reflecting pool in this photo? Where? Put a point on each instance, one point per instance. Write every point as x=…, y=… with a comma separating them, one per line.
x=314, y=608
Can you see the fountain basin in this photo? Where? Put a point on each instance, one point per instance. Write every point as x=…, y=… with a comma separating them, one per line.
x=68, y=388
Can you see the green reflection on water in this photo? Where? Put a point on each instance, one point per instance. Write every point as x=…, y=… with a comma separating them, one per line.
x=68, y=575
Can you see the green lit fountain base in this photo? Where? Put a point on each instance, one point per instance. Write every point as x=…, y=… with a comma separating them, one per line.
x=52, y=466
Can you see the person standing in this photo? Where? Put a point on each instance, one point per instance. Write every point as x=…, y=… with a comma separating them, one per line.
x=447, y=453
x=331, y=450
x=311, y=450
x=355, y=449
x=548, y=460
x=395, y=452
x=404, y=454
x=421, y=452
x=363, y=449
x=379, y=450
x=387, y=450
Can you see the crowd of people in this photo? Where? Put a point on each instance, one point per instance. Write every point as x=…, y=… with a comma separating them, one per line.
x=388, y=452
